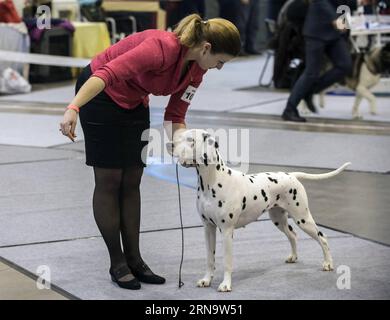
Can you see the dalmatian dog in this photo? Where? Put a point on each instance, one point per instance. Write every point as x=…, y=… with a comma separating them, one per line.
x=228, y=199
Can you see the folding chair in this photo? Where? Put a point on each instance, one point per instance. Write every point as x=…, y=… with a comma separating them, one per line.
x=271, y=28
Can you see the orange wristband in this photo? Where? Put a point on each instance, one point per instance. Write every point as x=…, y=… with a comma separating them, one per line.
x=73, y=107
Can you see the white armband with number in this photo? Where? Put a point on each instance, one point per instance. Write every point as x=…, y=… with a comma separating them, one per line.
x=188, y=94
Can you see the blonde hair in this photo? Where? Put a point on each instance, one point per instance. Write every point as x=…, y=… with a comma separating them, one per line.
x=223, y=35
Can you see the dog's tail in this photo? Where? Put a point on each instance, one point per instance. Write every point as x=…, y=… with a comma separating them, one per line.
x=308, y=176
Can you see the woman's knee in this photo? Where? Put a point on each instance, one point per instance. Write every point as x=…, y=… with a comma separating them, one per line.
x=132, y=177
x=108, y=179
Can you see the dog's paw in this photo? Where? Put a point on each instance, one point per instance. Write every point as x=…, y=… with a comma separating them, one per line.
x=327, y=266
x=225, y=287
x=203, y=283
x=292, y=258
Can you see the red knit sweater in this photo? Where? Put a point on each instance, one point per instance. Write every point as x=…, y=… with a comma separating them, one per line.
x=148, y=62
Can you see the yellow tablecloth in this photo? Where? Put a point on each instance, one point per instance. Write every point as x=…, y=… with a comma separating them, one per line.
x=89, y=39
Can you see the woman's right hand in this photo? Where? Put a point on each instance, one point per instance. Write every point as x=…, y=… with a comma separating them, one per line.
x=68, y=124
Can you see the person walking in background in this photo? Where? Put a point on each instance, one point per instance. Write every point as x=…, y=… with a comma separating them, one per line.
x=322, y=36
x=245, y=15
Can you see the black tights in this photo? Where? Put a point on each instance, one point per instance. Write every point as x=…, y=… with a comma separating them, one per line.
x=117, y=207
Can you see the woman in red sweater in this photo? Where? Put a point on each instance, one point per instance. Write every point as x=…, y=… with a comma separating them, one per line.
x=112, y=101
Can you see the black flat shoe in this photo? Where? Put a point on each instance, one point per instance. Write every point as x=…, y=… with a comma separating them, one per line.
x=119, y=273
x=143, y=273
x=292, y=115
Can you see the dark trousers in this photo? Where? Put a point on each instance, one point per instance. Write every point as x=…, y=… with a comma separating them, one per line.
x=310, y=81
x=248, y=24
x=245, y=17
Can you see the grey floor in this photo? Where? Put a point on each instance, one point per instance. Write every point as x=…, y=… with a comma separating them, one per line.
x=46, y=190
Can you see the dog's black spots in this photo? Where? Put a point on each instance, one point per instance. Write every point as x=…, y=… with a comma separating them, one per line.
x=294, y=198
x=230, y=172
x=295, y=191
x=218, y=167
x=290, y=228
x=220, y=204
x=214, y=252
x=223, y=169
x=212, y=222
x=298, y=222
x=303, y=220
x=219, y=185
x=276, y=223
x=244, y=199
x=275, y=205
x=263, y=193
x=223, y=221
x=243, y=206
x=297, y=204
x=217, y=157
x=265, y=199
x=273, y=180
x=212, y=190
x=251, y=180
x=205, y=136
x=203, y=217
x=243, y=175
x=264, y=210
x=320, y=234
x=231, y=215
x=205, y=161
x=277, y=197
x=290, y=191
x=201, y=183
x=198, y=188
x=198, y=197
x=255, y=198
x=216, y=145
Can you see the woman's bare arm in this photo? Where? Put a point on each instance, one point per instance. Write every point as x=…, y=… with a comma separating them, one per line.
x=90, y=89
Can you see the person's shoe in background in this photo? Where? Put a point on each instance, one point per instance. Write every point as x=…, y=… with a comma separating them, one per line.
x=290, y=114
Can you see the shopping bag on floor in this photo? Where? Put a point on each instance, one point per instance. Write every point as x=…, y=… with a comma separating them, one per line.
x=12, y=82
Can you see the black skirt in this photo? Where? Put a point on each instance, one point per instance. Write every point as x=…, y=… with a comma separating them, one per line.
x=114, y=137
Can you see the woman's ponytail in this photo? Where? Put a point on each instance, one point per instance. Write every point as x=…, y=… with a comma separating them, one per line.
x=220, y=33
